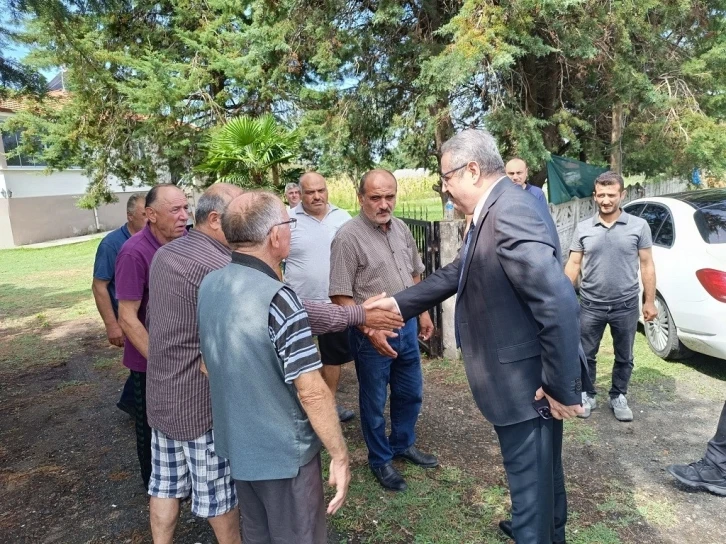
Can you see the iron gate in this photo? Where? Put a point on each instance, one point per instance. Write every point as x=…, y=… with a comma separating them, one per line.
x=426, y=235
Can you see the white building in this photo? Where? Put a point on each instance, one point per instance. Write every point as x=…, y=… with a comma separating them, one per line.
x=37, y=206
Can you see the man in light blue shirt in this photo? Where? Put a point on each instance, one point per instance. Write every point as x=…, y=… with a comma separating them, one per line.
x=518, y=172
x=307, y=268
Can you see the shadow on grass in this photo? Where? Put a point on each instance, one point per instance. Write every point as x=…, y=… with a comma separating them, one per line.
x=20, y=302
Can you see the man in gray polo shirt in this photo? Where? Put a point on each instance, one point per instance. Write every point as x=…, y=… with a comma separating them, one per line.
x=608, y=248
x=307, y=269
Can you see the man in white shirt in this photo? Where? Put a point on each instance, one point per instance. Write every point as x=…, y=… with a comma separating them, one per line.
x=307, y=268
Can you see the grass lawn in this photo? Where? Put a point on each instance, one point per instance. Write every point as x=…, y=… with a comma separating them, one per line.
x=44, y=292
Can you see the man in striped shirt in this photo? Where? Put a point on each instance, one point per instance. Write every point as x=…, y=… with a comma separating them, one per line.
x=271, y=407
x=178, y=399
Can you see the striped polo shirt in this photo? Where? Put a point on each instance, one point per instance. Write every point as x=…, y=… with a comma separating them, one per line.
x=177, y=393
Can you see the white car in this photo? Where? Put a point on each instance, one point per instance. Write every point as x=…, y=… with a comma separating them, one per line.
x=689, y=252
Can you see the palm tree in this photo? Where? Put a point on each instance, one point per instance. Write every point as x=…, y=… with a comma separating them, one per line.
x=245, y=149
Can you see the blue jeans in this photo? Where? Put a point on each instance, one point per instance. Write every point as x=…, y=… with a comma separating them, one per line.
x=623, y=320
x=375, y=373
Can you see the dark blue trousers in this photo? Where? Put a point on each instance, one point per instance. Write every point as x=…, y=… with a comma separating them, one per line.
x=375, y=374
x=532, y=454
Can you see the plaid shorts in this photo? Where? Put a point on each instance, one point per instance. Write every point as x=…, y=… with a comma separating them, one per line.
x=179, y=467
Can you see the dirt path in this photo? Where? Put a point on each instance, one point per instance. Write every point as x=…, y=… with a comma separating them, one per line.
x=69, y=471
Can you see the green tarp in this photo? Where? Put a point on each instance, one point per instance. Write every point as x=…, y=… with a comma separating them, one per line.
x=568, y=179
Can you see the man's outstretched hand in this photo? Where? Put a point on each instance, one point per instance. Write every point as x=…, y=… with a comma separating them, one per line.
x=383, y=302
x=381, y=318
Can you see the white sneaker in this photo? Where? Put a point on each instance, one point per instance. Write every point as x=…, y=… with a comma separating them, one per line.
x=620, y=408
x=588, y=403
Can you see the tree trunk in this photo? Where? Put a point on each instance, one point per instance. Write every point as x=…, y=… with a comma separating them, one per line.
x=444, y=131
x=616, y=134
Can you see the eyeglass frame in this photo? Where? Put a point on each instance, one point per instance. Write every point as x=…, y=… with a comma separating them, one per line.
x=442, y=176
x=292, y=222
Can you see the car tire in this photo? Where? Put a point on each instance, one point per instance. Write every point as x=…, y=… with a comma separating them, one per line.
x=662, y=334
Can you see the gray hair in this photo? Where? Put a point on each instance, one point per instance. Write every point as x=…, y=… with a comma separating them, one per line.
x=291, y=185
x=248, y=224
x=208, y=203
x=477, y=146
x=131, y=203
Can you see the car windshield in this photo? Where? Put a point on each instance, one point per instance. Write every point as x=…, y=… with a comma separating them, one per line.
x=711, y=223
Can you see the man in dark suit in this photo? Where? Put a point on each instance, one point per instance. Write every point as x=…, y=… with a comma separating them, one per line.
x=517, y=325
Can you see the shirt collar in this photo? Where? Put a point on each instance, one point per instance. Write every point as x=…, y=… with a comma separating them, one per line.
x=253, y=262
x=150, y=236
x=125, y=230
x=219, y=246
x=482, y=201
x=623, y=219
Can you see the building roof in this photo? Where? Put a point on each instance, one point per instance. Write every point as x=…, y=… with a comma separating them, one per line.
x=24, y=103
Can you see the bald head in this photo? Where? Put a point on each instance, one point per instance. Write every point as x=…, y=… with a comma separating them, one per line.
x=249, y=218
x=517, y=171
x=377, y=196
x=214, y=200
x=314, y=191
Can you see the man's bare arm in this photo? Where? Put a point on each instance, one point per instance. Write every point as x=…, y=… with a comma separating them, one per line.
x=105, y=309
x=572, y=268
x=378, y=338
x=647, y=276
x=319, y=404
x=136, y=333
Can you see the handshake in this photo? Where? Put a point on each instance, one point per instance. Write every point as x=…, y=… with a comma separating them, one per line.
x=382, y=316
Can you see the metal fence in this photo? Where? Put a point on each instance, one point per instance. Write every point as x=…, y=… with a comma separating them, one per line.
x=426, y=235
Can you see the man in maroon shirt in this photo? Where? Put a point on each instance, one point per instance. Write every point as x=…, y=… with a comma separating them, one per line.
x=167, y=212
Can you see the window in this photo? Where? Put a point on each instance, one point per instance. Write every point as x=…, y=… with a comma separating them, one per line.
x=11, y=141
x=635, y=209
x=659, y=218
x=711, y=223
x=666, y=234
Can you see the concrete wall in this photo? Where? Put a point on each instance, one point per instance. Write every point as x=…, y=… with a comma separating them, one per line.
x=43, y=218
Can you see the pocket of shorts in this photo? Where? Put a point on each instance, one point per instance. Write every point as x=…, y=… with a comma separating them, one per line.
x=216, y=467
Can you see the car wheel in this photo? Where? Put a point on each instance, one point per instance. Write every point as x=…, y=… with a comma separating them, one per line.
x=662, y=334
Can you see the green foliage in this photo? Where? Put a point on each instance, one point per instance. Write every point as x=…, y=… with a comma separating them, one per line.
x=366, y=82
x=245, y=149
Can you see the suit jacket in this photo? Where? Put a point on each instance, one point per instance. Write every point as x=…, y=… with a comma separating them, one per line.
x=517, y=312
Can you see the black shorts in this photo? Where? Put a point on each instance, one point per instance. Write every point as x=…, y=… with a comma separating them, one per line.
x=334, y=348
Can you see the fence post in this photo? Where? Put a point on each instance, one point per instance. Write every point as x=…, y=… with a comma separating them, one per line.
x=450, y=243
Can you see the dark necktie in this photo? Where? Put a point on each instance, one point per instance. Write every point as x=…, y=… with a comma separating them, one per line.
x=462, y=262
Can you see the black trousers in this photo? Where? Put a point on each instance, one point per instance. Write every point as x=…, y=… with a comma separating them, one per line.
x=143, y=431
x=716, y=449
x=532, y=452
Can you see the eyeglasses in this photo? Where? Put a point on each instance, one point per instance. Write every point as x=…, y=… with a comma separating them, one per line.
x=446, y=176
x=291, y=222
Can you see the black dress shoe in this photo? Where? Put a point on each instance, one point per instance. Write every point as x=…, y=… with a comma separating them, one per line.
x=389, y=478
x=129, y=409
x=505, y=526
x=344, y=414
x=417, y=457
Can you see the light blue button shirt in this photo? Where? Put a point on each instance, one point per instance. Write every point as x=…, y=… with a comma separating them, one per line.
x=307, y=268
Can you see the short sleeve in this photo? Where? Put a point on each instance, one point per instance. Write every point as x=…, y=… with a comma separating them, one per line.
x=645, y=240
x=290, y=333
x=576, y=244
x=105, y=264
x=130, y=277
x=343, y=265
x=416, y=262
